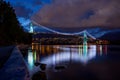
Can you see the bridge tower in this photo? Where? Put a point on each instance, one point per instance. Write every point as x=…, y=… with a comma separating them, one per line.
x=31, y=28
x=85, y=47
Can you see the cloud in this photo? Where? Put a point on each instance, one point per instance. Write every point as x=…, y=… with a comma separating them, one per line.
x=79, y=14
x=24, y=21
x=22, y=11
x=25, y=8
x=37, y=2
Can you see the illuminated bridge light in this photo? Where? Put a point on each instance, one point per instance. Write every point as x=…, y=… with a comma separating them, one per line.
x=85, y=47
x=80, y=50
x=101, y=50
x=34, y=55
x=30, y=59
x=31, y=28
x=85, y=50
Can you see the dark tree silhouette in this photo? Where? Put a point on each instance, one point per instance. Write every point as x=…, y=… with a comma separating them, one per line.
x=11, y=31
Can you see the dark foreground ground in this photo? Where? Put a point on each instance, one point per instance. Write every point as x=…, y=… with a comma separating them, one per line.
x=12, y=65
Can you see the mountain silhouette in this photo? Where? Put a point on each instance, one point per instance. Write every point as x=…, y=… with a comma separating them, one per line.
x=111, y=36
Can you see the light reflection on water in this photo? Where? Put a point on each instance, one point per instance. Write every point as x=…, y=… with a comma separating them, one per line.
x=30, y=59
x=63, y=54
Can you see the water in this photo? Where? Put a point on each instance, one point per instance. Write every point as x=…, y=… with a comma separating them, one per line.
x=84, y=62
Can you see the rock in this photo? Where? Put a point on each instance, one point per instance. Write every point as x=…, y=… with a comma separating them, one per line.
x=36, y=63
x=61, y=67
x=42, y=66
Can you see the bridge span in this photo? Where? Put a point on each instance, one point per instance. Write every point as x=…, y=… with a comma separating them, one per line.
x=63, y=33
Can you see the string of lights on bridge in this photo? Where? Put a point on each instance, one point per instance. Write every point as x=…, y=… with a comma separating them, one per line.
x=63, y=33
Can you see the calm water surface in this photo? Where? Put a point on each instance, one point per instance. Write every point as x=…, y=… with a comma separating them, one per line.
x=81, y=62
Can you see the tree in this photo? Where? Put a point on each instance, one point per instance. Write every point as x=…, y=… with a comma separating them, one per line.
x=10, y=29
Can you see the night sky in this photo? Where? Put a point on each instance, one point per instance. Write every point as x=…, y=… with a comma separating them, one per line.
x=69, y=15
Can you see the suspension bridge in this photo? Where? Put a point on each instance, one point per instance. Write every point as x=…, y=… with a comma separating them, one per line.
x=62, y=33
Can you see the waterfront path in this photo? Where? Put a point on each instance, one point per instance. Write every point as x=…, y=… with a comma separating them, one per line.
x=12, y=64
